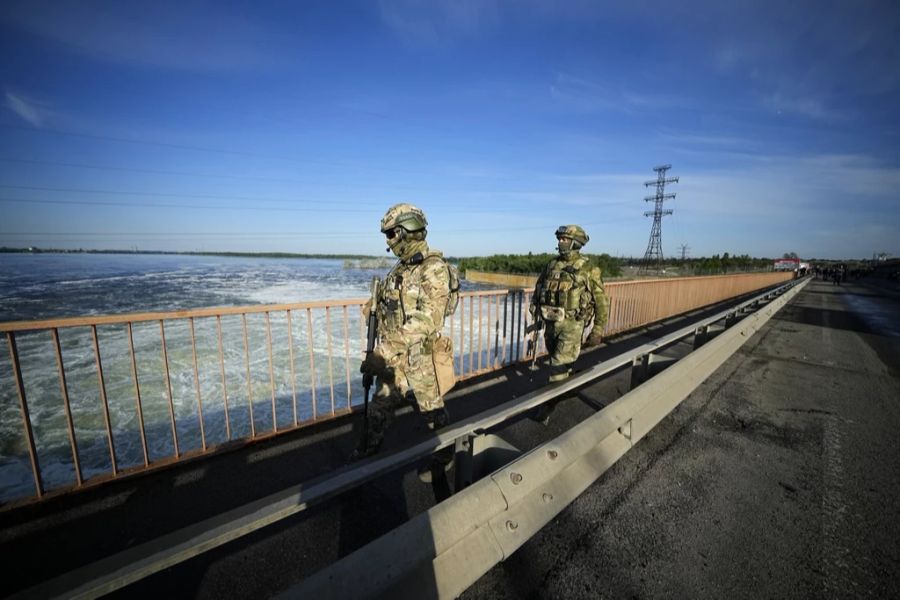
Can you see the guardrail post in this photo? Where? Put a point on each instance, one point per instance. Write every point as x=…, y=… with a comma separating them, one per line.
x=478, y=455
x=464, y=462
x=640, y=369
x=701, y=334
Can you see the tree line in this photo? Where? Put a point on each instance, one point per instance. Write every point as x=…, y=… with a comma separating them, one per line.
x=717, y=264
x=498, y=263
x=533, y=263
x=725, y=263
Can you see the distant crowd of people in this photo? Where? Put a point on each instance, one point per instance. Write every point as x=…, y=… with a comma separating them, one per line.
x=835, y=274
x=838, y=273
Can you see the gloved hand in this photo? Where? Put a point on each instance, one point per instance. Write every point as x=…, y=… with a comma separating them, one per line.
x=372, y=365
x=594, y=339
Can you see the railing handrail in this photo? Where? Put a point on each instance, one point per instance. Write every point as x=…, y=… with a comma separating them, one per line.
x=214, y=311
x=139, y=317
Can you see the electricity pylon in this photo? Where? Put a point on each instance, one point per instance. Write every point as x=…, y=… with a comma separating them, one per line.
x=653, y=257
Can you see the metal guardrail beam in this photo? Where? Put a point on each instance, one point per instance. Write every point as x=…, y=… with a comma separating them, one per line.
x=122, y=569
x=440, y=553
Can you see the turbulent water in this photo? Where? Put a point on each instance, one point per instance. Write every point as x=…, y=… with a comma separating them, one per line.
x=41, y=286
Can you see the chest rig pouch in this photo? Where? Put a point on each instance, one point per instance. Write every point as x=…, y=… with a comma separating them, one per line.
x=402, y=292
x=562, y=291
x=390, y=301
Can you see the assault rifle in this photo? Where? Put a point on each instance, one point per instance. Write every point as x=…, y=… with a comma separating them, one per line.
x=371, y=336
x=535, y=330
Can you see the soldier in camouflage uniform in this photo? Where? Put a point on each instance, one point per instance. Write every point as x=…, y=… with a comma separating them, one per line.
x=569, y=295
x=410, y=309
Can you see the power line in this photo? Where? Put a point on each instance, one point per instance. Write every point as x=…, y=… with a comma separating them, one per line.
x=339, y=184
x=161, y=194
x=123, y=140
x=181, y=206
x=189, y=147
x=455, y=205
x=342, y=233
x=203, y=175
x=350, y=184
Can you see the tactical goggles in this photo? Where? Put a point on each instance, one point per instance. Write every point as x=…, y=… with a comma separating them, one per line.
x=392, y=233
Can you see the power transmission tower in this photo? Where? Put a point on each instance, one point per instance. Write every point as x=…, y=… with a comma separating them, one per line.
x=684, y=251
x=653, y=257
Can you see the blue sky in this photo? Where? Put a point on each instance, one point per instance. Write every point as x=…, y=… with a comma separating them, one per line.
x=292, y=126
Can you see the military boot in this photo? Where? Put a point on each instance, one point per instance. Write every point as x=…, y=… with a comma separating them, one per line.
x=437, y=419
x=542, y=413
x=364, y=449
x=442, y=460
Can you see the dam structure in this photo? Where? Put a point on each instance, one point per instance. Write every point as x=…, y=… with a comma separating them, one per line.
x=705, y=430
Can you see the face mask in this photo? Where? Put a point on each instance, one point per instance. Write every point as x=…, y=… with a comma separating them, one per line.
x=395, y=239
x=565, y=245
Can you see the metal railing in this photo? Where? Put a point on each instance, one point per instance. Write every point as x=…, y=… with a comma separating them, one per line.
x=101, y=396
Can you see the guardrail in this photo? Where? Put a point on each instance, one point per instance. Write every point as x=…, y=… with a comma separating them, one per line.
x=441, y=552
x=102, y=396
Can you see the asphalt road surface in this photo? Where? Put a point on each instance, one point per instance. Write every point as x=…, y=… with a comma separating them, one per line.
x=778, y=478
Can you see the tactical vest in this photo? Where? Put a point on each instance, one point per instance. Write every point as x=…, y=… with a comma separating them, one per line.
x=565, y=286
x=402, y=291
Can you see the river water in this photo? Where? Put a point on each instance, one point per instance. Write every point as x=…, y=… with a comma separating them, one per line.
x=42, y=286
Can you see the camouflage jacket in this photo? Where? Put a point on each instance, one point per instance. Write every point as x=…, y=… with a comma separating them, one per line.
x=411, y=304
x=572, y=284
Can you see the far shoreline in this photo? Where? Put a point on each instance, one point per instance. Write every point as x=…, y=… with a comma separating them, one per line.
x=6, y=250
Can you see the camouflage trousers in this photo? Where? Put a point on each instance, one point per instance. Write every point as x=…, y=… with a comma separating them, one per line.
x=563, y=340
x=412, y=381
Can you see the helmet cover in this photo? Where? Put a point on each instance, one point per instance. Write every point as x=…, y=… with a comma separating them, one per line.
x=573, y=231
x=409, y=217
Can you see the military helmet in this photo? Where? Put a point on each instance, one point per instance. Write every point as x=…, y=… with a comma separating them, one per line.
x=573, y=231
x=409, y=217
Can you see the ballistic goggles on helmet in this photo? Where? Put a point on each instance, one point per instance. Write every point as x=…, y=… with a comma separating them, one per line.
x=573, y=232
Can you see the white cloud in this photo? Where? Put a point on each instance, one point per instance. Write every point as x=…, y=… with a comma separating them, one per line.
x=811, y=107
x=590, y=96
x=27, y=109
x=802, y=58
x=437, y=22
x=685, y=138
x=172, y=35
x=763, y=206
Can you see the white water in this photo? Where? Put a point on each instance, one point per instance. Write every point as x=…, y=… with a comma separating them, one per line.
x=44, y=286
